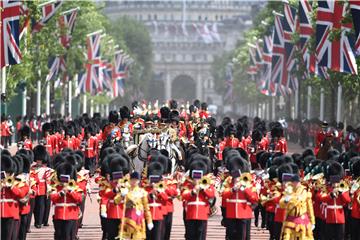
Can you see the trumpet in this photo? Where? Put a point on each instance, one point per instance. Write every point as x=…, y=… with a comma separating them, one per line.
x=342, y=186
x=160, y=186
x=205, y=182
x=9, y=181
x=71, y=185
x=244, y=181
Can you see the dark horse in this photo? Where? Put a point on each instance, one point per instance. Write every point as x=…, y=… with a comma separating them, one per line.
x=325, y=147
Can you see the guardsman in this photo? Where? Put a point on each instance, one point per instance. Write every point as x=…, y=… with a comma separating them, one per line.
x=239, y=194
x=66, y=198
x=355, y=192
x=68, y=141
x=196, y=194
x=41, y=172
x=337, y=198
x=125, y=120
x=49, y=140
x=204, y=113
x=230, y=141
x=90, y=149
x=320, y=136
x=278, y=142
x=256, y=145
x=157, y=197
x=4, y=131
x=25, y=141
x=12, y=191
x=83, y=182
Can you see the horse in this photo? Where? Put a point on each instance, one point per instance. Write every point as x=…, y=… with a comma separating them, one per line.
x=174, y=151
x=326, y=146
x=139, y=153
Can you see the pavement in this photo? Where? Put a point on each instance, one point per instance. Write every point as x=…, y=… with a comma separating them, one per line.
x=92, y=230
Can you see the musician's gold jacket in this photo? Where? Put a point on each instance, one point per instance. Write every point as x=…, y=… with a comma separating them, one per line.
x=299, y=214
x=136, y=204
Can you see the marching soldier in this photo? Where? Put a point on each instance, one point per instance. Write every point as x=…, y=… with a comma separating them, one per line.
x=320, y=136
x=278, y=142
x=229, y=141
x=90, y=149
x=25, y=141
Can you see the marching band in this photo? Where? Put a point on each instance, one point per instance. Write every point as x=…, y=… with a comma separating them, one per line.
x=146, y=158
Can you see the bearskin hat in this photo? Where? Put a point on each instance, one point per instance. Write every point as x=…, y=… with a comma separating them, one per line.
x=18, y=163
x=174, y=116
x=324, y=124
x=69, y=130
x=135, y=175
x=113, y=117
x=164, y=160
x=25, y=131
x=173, y=104
x=334, y=169
x=124, y=112
x=165, y=113
x=355, y=167
x=135, y=104
x=236, y=163
x=202, y=158
x=256, y=135
x=47, y=127
x=333, y=154
x=230, y=130
x=66, y=169
x=284, y=168
x=219, y=132
x=155, y=168
x=118, y=163
x=197, y=103
x=198, y=165
x=272, y=171
x=40, y=154
x=26, y=162
x=204, y=106
x=263, y=159
x=277, y=131
x=105, y=152
x=192, y=109
x=7, y=164
x=228, y=152
x=5, y=152
x=243, y=153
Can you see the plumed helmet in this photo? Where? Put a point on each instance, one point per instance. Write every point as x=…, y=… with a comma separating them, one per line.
x=40, y=153
x=66, y=169
x=113, y=117
x=124, y=112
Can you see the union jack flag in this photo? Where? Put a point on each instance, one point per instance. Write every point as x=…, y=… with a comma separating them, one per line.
x=289, y=27
x=67, y=24
x=120, y=73
x=336, y=54
x=91, y=84
x=278, y=66
x=93, y=46
x=93, y=80
x=268, y=86
x=81, y=82
x=322, y=72
x=355, y=11
x=48, y=11
x=24, y=11
x=252, y=70
x=10, y=32
x=55, y=64
x=306, y=31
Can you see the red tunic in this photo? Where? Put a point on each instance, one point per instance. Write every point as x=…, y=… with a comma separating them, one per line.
x=335, y=206
x=9, y=200
x=67, y=206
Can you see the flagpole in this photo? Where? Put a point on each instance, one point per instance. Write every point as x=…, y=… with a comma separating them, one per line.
x=47, y=102
x=296, y=107
x=24, y=101
x=91, y=108
x=84, y=103
x=322, y=104
x=3, y=80
x=339, y=95
x=273, y=108
x=38, y=101
x=70, y=11
x=308, y=114
x=46, y=3
x=70, y=96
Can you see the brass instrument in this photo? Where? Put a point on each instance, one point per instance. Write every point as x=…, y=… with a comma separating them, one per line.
x=9, y=181
x=71, y=185
x=355, y=186
x=160, y=186
x=244, y=181
x=205, y=182
x=289, y=188
x=342, y=186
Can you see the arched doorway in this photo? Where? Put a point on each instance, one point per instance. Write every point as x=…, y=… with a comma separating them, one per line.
x=183, y=88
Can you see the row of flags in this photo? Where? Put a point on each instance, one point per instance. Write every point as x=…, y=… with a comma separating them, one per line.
x=206, y=32
x=273, y=61
x=99, y=75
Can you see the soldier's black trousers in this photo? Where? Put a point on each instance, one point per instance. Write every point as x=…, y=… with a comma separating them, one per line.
x=112, y=228
x=65, y=229
x=195, y=229
x=39, y=209
x=46, y=211
x=355, y=229
x=156, y=232
x=167, y=226
x=32, y=206
x=335, y=231
x=7, y=228
x=238, y=229
x=23, y=226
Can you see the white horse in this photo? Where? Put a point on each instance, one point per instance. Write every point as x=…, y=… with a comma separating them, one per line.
x=174, y=152
x=139, y=153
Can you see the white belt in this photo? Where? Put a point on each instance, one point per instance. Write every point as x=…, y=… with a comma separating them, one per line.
x=154, y=205
x=89, y=148
x=8, y=200
x=65, y=205
x=48, y=145
x=112, y=201
x=334, y=207
x=238, y=201
x=42, y=180
x=196, y=203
